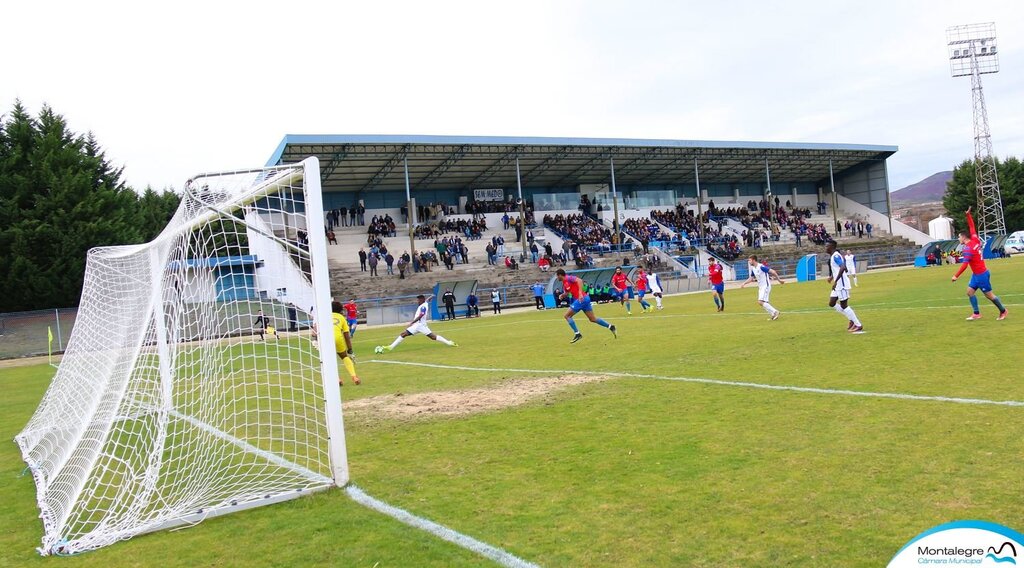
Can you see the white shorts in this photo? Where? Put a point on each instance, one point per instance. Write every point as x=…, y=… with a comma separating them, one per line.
x=418, y=327
x=655, y=289
x=763, y=293
x=842, y=293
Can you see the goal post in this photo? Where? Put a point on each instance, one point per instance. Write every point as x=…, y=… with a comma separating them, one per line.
x=183, y=394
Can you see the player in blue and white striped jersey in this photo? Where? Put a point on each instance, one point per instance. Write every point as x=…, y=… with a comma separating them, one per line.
x=763, y=276
x=839, y=278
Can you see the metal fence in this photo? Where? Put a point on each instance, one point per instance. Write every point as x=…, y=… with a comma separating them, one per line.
x=28, y=334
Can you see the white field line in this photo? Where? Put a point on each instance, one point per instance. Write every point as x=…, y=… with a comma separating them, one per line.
x=743, y=384
x=469, y=543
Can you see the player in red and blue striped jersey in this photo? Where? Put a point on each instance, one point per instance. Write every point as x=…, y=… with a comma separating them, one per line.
x=980, y=276
x=641, y=291
x=572, y=286
x=621, y=285
x=717, y=282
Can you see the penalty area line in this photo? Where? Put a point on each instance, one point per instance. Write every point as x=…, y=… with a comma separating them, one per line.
x=719, y=382
x=444, y=533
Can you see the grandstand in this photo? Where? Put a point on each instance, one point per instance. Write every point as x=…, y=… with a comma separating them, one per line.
x=675, y=202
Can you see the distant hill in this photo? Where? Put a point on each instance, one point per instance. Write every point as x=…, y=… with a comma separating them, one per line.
x=931, y=188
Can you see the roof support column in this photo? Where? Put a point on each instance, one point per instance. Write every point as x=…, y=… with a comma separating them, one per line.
x=615, y=204
x=835, y=200
x=522, y=212
x=411, y=208
x=696, y=176
x=771, y=203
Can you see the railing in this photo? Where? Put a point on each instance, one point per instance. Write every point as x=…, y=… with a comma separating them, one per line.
x=27, y=334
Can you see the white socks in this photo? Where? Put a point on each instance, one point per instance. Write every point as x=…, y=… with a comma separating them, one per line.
x=445, y=341
x=769, y=308
x=657, y=300
x=396, y=342
x=847, y=312
x=852, y=316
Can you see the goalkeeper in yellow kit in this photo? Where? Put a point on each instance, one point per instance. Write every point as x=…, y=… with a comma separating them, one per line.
x=342, y=341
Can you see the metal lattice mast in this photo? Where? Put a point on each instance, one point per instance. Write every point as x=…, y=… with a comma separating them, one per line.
x=973, y=52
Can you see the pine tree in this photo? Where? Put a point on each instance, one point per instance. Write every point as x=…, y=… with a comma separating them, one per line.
x=59, y=197
x=961, y=192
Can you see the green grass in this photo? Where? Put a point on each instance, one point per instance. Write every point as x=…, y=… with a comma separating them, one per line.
x=645, y=472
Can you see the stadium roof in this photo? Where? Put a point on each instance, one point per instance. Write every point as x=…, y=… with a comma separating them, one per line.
x=374, y=162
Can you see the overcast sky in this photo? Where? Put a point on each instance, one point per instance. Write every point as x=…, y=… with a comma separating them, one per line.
x=175, y=88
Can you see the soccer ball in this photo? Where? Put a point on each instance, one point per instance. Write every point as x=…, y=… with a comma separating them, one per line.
x=378, y=349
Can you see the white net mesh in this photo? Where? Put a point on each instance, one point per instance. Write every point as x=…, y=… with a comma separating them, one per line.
x=190, y=386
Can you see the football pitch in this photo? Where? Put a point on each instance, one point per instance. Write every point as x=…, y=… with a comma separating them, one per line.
x=694, y=439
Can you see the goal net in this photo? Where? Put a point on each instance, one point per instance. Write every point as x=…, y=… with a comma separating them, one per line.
x=168, y=406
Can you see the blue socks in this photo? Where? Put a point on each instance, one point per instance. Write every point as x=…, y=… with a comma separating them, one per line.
x=998, y=304
x=974, y=304
x=628, y=309
x=602, y=323
x=644, y=305
x=572, y=324
x=717, y=303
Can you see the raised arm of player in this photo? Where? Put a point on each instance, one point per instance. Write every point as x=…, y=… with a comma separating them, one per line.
x=970, y=224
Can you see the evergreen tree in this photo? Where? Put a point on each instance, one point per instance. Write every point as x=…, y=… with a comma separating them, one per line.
x=59, y=197
x=961, y=193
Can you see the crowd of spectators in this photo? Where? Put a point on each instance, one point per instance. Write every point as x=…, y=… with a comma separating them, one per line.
x=580, y=229
x=645, y=230
x=346, y=216
x=451, y=251
x=855, y=227
x=727, y=248
x=681, y=220
x=471, y=230
x=382, y=226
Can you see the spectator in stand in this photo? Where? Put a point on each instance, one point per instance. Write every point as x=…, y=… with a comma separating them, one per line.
x=372, y=261
x=868, y=228
x=492, y=254
x=495, y=301
x=472, y=305
x=331, y=238
x=362, y=260
x=389, y=259
x=534, y=252
x=511, y=264
x=544, y=263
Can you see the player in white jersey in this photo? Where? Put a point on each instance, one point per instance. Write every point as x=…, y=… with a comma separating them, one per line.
x=763, y=276
x=839, y=278
x=851, y=265
x=656, y=290
x=417, y=325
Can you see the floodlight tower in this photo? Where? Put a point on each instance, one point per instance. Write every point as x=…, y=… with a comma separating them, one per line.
x=972, y=51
